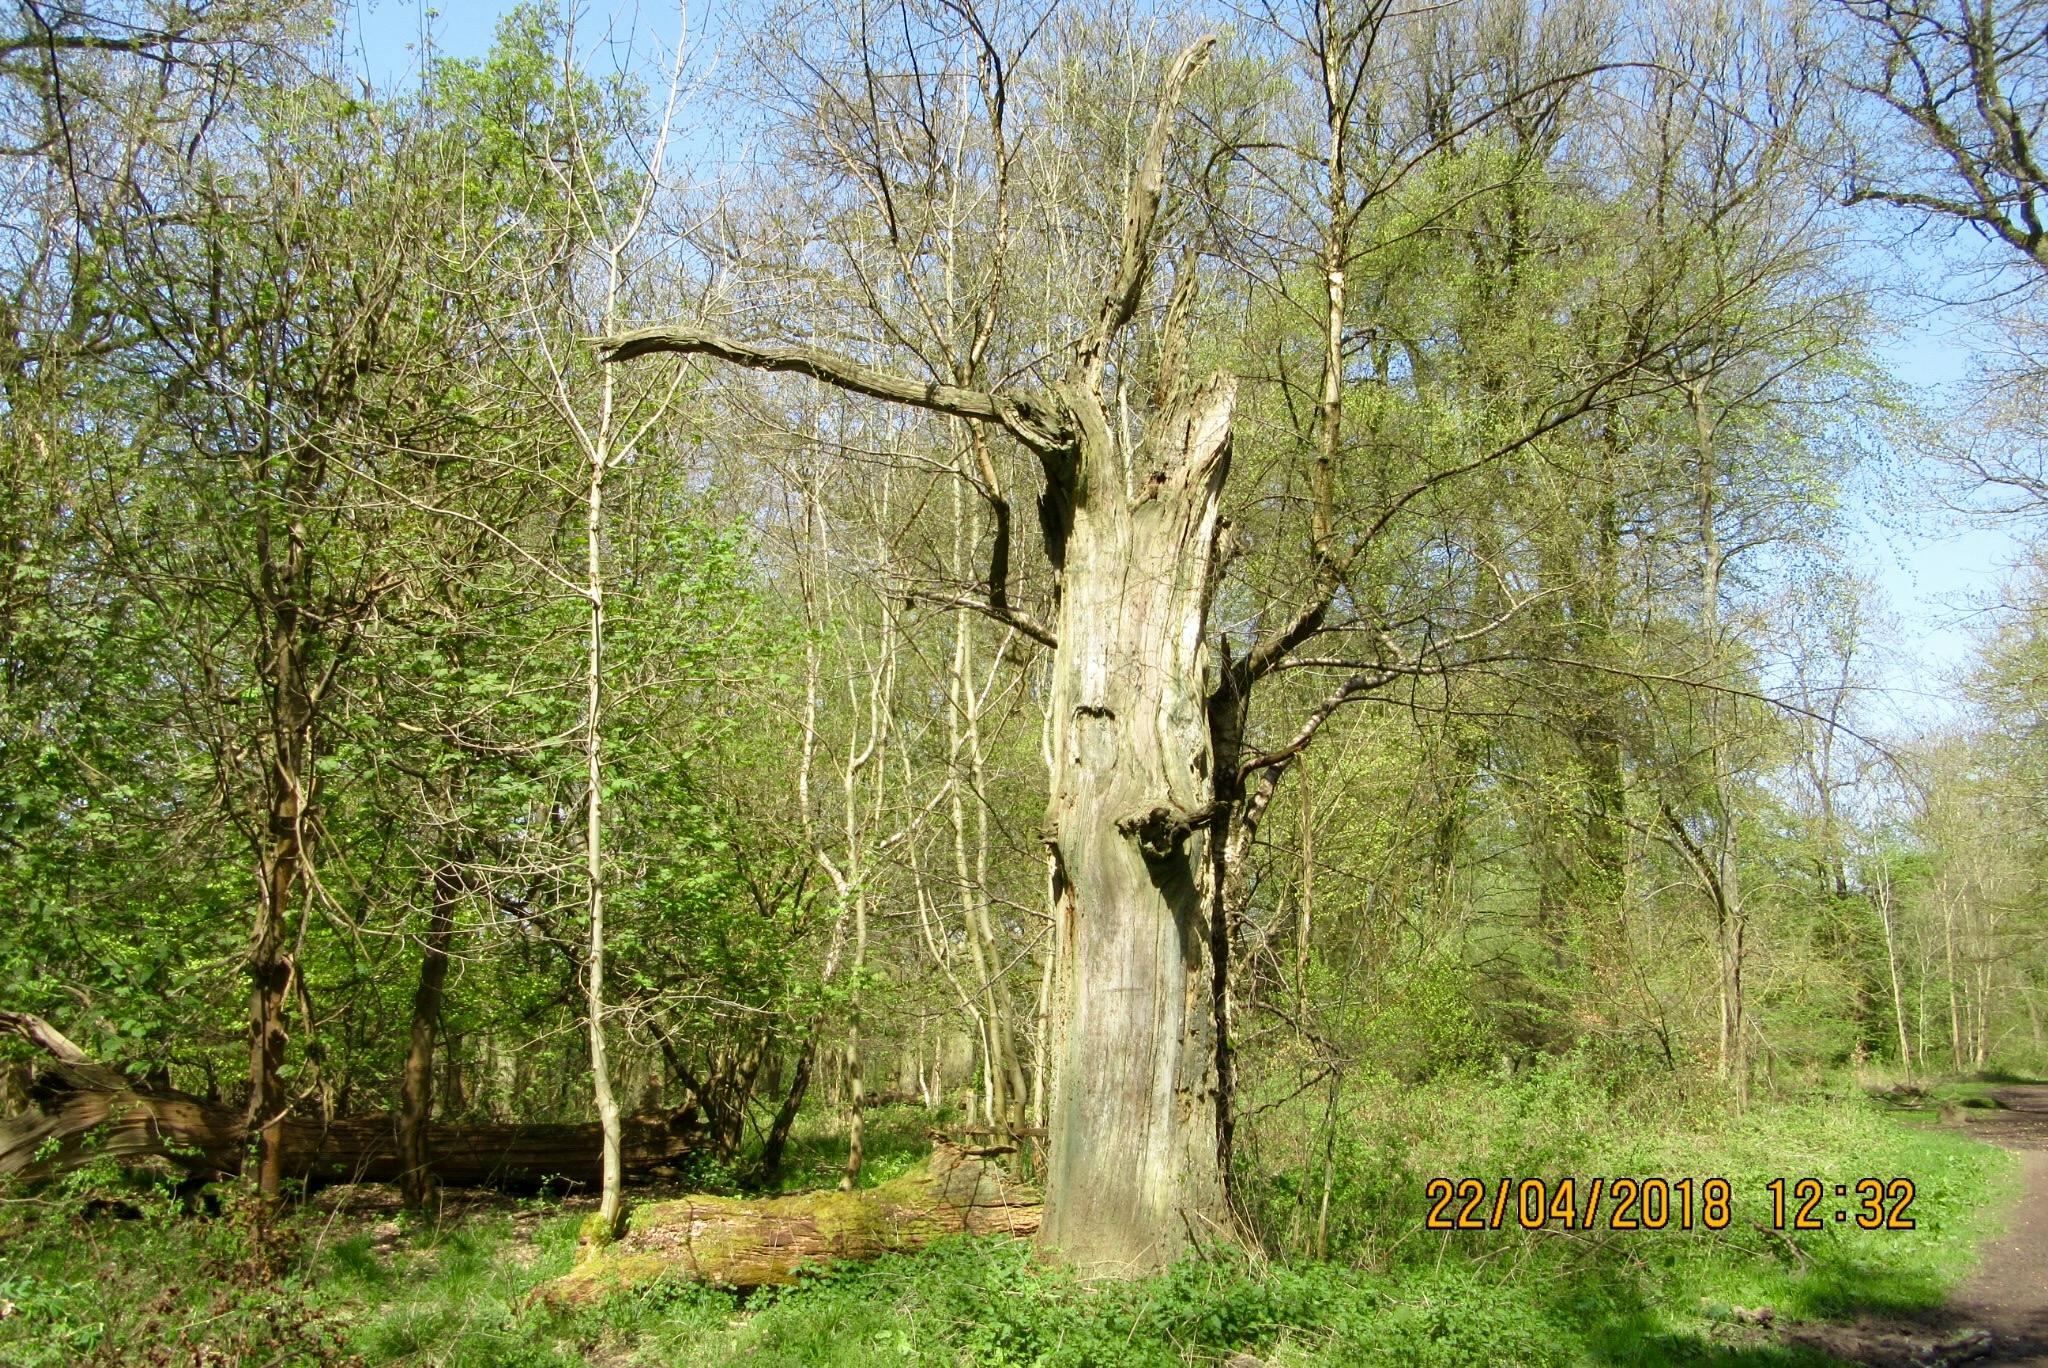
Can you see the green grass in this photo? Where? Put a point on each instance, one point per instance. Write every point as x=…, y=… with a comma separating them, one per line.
x=175, y=1289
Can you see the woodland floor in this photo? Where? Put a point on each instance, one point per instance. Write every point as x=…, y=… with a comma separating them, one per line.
x=348, y=1280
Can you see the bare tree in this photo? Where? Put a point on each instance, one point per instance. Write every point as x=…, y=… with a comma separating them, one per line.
x=1962, y=84
x=1135, y=1170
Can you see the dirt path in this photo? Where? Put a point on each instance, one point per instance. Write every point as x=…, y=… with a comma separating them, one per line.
x=1999, y=1316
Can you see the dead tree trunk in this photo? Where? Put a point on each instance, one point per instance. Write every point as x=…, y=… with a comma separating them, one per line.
x=1133, y=1164
x=1134, y=1131
x=760, y=1243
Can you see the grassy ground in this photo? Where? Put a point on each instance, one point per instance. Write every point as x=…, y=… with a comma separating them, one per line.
x=348, y=1279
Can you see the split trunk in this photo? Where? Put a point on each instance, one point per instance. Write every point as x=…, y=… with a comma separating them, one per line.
x=1135, y=1132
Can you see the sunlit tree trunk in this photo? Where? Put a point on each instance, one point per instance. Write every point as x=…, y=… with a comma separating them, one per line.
x=1885, y=913
x=610, y=1201
x=1134, y=1169
x=1955, y=1009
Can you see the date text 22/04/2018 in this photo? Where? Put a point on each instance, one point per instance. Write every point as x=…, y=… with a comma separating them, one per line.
x=1623, y=1203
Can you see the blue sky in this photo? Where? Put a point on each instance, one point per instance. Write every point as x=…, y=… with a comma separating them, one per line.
x=385, y=35
x=1937, y=572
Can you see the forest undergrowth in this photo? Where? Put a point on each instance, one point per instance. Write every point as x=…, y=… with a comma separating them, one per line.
x=103, y=1273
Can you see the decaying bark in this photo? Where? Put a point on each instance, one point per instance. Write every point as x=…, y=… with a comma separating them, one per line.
x=88, y=1110
x=745, y=1243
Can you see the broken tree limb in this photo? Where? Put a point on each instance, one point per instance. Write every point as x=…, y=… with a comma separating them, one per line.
x=747, y=1243
x=1030, y=418
x=82, y=1111
x=43, y=1036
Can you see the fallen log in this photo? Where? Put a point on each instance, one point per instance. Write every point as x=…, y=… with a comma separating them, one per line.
x=748, y=1243
x=82, y=1111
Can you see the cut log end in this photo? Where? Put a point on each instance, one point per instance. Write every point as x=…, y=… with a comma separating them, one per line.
x=745, y=1244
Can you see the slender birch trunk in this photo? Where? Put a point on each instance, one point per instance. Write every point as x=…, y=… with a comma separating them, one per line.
x=610, y=1202
x=1955, y=1011
x=1724, y=891
x=1885, y=910
x=606, y=440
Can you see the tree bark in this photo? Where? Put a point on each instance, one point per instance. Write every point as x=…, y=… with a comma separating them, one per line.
x=1134, y=1175
x=1955, y=1018
x=611, y=1210
x=1724, y=886
x=1891, y=962
x=785, y=1115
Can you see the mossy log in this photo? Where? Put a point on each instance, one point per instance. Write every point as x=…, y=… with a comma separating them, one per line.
x=81, y=1110
x=748, y=1243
